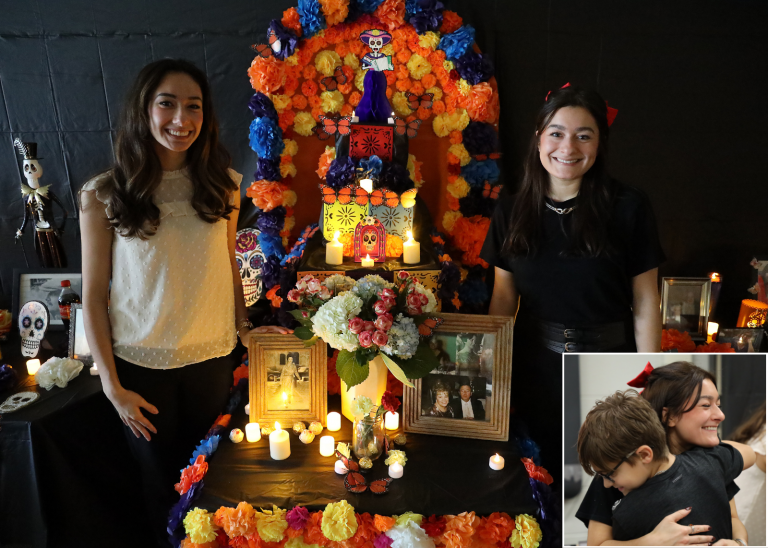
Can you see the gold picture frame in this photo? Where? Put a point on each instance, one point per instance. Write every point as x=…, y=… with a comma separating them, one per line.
x=475, y=354
x=287, y=382
x=685, y=305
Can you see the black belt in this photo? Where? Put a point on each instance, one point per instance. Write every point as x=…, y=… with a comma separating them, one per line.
x=597, y=338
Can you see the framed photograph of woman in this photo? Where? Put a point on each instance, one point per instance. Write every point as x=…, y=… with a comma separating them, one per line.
x=287, y=382
x=685, y=305
x=467, y=395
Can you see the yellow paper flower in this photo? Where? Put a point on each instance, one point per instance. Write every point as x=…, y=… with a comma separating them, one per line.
x=429, y=40
x=290, y=222
x=343, y=448
x=359, y=77
x=389, y=49
x=271, y=525
x=418, y=67
x=400, y=104
x=527, y=533
x=332, y=101
x=198, y=524
x=445, y=123
x=450, y=218
x=448, y=65
x=303, y=123
x=463, y=86
x=461, y=153
x=293, y=60
x=339, y=521
x=287, y=170
x=326, y=61
x=281, y=102
x=414, y=170
x=298, y=542
x=289, y=198
x=403, y=519
x=351, y=60
x=437, y=92
x=396, y=456
x=361, y=405
x=291, y=147
x=459, y=188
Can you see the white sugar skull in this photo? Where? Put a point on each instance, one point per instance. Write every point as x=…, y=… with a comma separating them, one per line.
x=17, y=401
x=33, y=321
x=250, y=260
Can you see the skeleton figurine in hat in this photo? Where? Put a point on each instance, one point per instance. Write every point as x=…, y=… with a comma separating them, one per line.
x=38, y=206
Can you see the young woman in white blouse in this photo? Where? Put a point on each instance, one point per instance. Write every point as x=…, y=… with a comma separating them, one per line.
x=160, y=227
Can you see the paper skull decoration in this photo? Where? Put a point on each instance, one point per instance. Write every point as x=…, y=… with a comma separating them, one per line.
x=33, y=321
x=370, y=240
x=17, y=401
x=250, y=260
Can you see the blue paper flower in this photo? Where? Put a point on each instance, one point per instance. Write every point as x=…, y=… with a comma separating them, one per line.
x=288, y=39
x=412, y=7
x=477, y=173
x=456, y=43
x=272, y=221
x=266, y=138
x=365, y=6
x=311, y=17
x=480, y=138
x=474, y=67
x=271, y=245
x=396, y=178
x=268, y=169
x=341, y=173
x=261, y=106
x=371, y=166
x=474, y=292
x=206, y=447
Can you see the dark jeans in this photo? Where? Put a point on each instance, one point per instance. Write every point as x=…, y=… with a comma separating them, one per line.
x=188, y=400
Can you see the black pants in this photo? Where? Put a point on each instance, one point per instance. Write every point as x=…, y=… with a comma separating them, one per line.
x=188, y=400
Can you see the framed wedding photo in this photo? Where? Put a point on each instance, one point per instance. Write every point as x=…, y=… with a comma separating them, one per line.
x=685, y=305
x=78, y=344
x=468, y=394
x=44, y=285
x=287, y=382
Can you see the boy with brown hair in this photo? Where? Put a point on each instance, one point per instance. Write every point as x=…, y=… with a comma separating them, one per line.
x=623, y=442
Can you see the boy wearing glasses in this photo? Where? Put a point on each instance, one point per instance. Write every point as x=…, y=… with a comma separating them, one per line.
x=623, y=442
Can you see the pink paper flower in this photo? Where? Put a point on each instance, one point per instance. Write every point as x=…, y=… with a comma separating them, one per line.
x=297, y=517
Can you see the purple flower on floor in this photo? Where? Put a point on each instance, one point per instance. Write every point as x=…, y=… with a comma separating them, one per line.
x=180, y=509
x=297, y=517
x=382, y=541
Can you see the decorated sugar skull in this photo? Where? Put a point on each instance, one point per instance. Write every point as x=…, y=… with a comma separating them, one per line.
x=370, y=240
x=33, y=321
x=376, y=39
x=250, y=260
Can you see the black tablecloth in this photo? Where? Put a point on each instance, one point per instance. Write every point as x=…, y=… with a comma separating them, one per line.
x=442, y=476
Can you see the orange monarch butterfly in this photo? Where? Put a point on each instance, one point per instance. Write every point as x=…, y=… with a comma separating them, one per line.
x=377, y=197
x=320, y=133
x=361, y=196
x=329, y=195
x=263, y=50
x=429, y=325
x=416, y=101
x=350, y=464
x=402, y=127
x=345, y=195
x=483, y=157
x=331, y=83
x=491, y=192
x=355, y=483
x=391, y=199
x=336, y=124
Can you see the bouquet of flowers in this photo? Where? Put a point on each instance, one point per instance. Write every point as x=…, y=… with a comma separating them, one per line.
x=367, y=318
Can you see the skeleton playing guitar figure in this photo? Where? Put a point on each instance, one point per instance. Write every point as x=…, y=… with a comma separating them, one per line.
x=38, y=206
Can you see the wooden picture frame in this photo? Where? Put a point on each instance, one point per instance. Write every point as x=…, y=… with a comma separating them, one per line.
x=269, y=354
x=473, y=350
x=44, y=285
x=685, y=305
x=78, y=343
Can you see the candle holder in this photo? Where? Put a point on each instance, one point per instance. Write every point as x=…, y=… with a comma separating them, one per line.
x=752, y=314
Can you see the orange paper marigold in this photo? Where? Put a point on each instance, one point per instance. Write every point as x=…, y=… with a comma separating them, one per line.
x=391, y=13
x=266, y=195
x=191, y=474
x=291, y=20
x=715, y=347
x=267, y=75
x=394, y=246
x=451, y=22
x=335, y=11
x=273, y=297
x=236, y=522
x=383, y=523
x=459, y=530
x=672, y=339
x=496, y=528
x=468, y=235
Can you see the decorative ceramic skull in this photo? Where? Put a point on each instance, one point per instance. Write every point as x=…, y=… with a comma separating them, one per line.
x=17, y=401
x=250, y=260
x=33, y=322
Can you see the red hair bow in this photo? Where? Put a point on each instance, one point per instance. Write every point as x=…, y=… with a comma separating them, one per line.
x=611, y=112
x=550, y=91
x=642, y=379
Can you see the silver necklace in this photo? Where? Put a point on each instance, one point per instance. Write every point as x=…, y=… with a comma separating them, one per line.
x=560, y=210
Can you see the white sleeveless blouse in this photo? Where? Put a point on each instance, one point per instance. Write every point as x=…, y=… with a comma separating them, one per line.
x=172, y=298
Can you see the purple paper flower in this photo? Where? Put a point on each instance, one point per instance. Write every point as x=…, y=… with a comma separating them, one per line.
x=371, y=166
x=268, y=169
x=297, y=517
x=474, y=291
x=365, y=6
x=272, y=221
x=480, y=138
x=7, y=377
x=288, y=39
x=270, y=271
x=477, y=173
x=457, y=43
x=475, y=203
x=396, y=178
x=474, y=67
x=382, y=541
x=428, y=16
x=180, y=509
x=262, y=106
x=340, y=173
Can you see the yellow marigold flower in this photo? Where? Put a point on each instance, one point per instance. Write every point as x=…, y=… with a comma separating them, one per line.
x=289, y=198
x=409, y=516
x=393, y=246
x=351, y=60
x=290, y=222
x=527, y=533
x=418, y=67
x=396, y=456
x=326, y=61
x=293, y=60
x=291, y=147
x=198, y=524
x=448, y=65
x=414, y=166
x=429, y=40
x=359, y=77
x=450, y=218
x=463, y=87
x=299, y=543
x=303, y=123
x=459, y=188
x=461, y=153
x=436, y=91
x=400, y=104
x=281, y=102
x=332, y=101
x=271, y=525
x=445, y=123
x=287, y=170
x=389, y=49
x=339, y=521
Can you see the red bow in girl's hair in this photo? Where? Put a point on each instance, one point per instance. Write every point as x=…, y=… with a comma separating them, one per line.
x=642, y=379
x=610, y=115
x=550, y=91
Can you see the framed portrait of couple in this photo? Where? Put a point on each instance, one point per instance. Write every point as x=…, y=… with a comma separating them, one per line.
x=468, y=394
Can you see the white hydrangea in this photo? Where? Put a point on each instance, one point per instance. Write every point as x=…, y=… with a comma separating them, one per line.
x=370, y=285
x=338, y=283
x=410, y=535
x=330, y=323
x=432, y=304
x=403, y=338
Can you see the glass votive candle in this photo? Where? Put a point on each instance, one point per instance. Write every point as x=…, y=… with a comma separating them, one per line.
x=392, y=420
x=334, y=422
x=33, y=366
x=252, y=432
x=496, y=462
x=327, y=445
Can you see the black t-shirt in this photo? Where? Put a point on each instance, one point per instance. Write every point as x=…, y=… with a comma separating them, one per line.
x=579, y=291
x=697, y=478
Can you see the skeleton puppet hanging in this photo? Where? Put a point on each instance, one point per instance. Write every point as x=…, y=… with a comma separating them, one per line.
x=38, y=206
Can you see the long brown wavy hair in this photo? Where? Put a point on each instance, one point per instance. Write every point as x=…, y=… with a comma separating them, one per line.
x=589, y=227
x=753, y=427
x=136, y=174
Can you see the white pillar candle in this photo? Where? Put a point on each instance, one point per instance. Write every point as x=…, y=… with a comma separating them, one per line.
x=94, y=370
x=340, y=468
x=395, y=470
x=411, y=250
x=248, y=408
x=334, y=422
x=367, y=184
x=279, y=443
x=496, y=462
x=334, y=250
x=33, y=366
x=392, y=421
x=712, y=328
x=367, y=262
x=252, y=432
x=327, y=445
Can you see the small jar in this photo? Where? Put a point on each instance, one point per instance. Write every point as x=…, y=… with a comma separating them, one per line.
x=368, y=436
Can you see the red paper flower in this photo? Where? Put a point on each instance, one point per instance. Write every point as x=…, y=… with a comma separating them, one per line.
x=434, y=525
x=390, y=402
x=240, y=373
x=672, y=339
x=537, y=472
x=192, y=474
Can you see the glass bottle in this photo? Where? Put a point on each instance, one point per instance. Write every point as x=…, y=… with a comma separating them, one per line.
x=368, y=435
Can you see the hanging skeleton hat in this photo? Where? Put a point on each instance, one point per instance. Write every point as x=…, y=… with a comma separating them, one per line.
x=28, y=150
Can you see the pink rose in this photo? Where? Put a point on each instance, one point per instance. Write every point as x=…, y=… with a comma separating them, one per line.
x=369, y=326
x=414, y=310
x=387, y=293
x=304, y=314
x=313, y=286
x=381, y=307
x=414, y=299
x=382, y=323
x=356, y=325
x=325, y=293
x=365, y=338
x=402, y=275
x=380, y=338
x=302, y=285
x=390, y=302
x=388, y=316
x=294, y=296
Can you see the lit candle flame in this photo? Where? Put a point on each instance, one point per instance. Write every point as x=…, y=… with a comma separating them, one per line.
x=715, y=277
x=336, y=237
x=277, y=426
x=410, y=236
